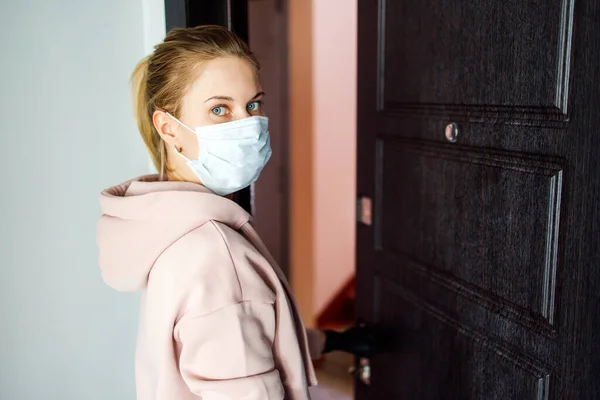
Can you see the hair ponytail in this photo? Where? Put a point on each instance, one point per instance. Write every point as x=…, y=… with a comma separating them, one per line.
x=143, y=110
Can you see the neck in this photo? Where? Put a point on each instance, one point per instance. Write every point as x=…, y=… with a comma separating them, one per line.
x=173, y=176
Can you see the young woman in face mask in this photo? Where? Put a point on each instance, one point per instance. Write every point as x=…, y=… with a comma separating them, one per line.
x=218, y=320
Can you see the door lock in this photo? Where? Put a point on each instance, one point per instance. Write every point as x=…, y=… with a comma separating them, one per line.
x=451, y=132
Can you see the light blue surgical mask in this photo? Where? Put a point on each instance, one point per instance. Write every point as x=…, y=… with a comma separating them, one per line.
x=232, y=154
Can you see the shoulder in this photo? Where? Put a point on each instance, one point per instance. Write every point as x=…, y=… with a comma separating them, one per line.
x=212, y=265
x=197, y=253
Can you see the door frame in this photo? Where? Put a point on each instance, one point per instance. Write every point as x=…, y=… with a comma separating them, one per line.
x=232, y=14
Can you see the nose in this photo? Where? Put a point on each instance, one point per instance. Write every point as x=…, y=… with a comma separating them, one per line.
x=241, y=113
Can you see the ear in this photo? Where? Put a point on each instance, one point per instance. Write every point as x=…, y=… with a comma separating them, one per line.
x=167, y=127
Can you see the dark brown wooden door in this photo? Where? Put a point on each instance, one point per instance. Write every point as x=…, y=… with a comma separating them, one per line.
x=484, y=254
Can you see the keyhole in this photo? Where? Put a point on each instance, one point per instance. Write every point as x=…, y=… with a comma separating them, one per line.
x=451, y=132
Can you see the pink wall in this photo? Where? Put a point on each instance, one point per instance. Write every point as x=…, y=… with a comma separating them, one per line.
x=322, y=95
x=334, y=145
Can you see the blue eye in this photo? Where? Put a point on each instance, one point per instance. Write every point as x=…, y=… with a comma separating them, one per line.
x=220, y=110
x=254, y=106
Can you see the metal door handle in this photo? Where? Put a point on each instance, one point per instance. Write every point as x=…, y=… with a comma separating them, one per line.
x=363, y=373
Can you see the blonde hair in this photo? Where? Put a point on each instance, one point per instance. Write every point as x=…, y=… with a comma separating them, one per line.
x=160, y=80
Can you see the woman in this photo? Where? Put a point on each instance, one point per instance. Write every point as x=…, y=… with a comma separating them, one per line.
x=218, y=320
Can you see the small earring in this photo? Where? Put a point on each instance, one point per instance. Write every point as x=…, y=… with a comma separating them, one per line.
x=178, y=150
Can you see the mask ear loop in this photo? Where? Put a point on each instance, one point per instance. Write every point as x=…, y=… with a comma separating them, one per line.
x=180, y=123
x=179, y=150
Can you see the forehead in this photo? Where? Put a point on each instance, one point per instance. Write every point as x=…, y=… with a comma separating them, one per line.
x=230, y=77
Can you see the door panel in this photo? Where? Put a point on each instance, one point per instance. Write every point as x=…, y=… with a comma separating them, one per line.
x=510, y=58
x=483, y=256
x=470, y=234
x=455, y=349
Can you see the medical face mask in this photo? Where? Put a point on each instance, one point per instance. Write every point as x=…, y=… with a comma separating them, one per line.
x=232, y=154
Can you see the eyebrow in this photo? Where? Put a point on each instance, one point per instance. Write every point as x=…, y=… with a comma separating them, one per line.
x=227, y=98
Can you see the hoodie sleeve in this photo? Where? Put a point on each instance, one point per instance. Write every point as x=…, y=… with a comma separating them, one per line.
x=227, y=354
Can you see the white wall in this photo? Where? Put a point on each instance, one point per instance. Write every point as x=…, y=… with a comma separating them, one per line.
x=67, y=132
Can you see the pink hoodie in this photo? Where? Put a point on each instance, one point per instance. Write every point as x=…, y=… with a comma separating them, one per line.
x=217, y=320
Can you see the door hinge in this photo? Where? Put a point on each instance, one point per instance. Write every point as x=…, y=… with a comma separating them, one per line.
x=364, y=210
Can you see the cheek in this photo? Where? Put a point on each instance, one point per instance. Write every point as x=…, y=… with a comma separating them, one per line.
x=189, y=143
x=189, y=140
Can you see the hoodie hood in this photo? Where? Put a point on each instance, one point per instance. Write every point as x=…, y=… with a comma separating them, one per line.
x=141, y=218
